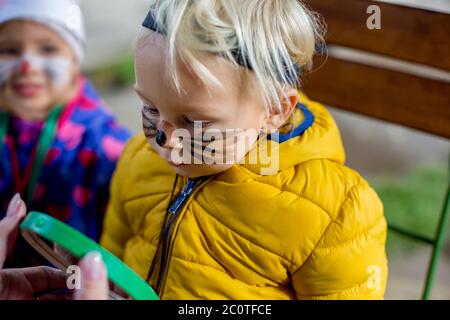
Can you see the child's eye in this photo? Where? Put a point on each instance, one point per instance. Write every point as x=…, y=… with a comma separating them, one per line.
x=9, y=52
x=193, y=123
x=150, y=110
x=49, y=49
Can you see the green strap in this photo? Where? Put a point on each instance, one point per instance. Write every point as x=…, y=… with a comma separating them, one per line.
x=45, y=141
x=4, y=120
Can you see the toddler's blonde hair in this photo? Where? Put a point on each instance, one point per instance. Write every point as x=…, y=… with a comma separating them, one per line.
x=272, y=34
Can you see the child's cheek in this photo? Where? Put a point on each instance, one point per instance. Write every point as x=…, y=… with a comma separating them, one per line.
x=58, y=71
x=58, y=74
x=7, y=68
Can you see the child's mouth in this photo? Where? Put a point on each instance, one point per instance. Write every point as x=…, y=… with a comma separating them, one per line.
x=27, y=90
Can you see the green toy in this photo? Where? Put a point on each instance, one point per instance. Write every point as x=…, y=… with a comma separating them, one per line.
x=38, y=226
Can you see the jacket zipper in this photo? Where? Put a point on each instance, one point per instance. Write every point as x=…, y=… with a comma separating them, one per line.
x=167, y=240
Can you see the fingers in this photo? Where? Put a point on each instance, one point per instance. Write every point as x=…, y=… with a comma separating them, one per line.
x=29, y=283
x=8, y=225
x=94, y=280
x=16, y=211
x=44, y=279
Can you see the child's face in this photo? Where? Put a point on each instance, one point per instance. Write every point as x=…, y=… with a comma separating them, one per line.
x=234, y=106
x=38, y=69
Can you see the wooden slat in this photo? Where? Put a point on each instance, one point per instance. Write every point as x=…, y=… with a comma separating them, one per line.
x=411, y=34
x=387, y=95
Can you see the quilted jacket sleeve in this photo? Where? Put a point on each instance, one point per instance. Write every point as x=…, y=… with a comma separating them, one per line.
x=116, y=228
x=349, y=260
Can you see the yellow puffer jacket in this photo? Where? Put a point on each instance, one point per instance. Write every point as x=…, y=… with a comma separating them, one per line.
x=314, y=230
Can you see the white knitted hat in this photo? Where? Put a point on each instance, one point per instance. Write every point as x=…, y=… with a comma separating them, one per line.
x=62, y=16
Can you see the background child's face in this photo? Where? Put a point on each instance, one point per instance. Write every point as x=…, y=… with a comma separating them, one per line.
x=234, y=106
x=38, y=69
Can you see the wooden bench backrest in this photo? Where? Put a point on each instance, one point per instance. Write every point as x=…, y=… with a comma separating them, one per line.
x=380, y=88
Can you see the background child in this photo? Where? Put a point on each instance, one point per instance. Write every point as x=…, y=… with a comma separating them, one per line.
x=313, y=229
x=59, y=144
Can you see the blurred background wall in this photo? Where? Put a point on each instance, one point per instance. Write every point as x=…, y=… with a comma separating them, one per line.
x=409, y=169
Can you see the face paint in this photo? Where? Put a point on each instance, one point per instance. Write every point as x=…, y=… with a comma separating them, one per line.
x=7, y=69
x=57, y=69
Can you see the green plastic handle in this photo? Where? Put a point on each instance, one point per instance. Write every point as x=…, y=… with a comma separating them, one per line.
x=79, y=245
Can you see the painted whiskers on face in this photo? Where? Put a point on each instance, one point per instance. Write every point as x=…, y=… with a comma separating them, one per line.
x=57, y=68
x=210, y=146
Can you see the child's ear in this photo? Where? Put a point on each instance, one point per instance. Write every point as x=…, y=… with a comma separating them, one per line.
x=277, y=118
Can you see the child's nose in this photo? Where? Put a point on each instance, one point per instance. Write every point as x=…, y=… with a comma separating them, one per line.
x=25, y=67
x=164, y=136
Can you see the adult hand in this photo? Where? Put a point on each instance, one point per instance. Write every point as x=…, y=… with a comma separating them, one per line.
x=9, y=226
x=29, y=283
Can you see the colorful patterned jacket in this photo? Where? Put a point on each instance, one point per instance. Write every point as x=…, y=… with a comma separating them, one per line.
x=74, y=182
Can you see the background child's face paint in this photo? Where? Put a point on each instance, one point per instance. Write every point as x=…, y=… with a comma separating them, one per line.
x=57, y=69
x=6, y=70
x=38, y=70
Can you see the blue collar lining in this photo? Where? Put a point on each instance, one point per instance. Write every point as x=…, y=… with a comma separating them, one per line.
x=308, y=121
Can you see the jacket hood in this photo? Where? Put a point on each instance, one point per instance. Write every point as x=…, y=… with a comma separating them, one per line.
x=315, y=135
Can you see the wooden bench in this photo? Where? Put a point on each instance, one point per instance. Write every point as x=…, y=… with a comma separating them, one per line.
x=399, y=73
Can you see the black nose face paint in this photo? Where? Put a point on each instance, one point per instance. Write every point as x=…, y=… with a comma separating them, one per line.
x=161, y=138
